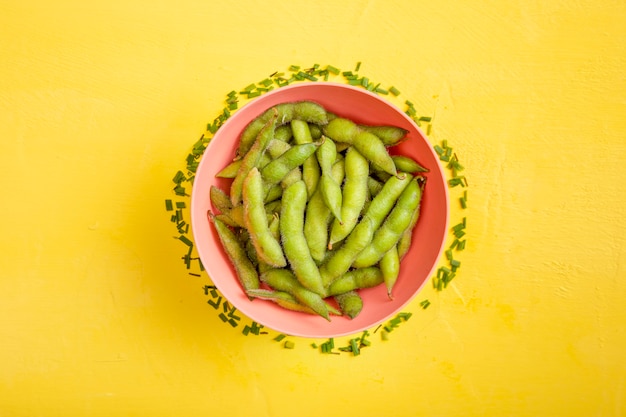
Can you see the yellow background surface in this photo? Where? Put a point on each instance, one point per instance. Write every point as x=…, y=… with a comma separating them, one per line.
x=100, y=103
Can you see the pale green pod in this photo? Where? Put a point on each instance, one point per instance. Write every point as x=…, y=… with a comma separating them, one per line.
x=394, y=225
x=285, y=280
x=390, y=267
x=267, y=247
x=350, y=303
x=293, y=238
x=354, y=195
x=356, y=279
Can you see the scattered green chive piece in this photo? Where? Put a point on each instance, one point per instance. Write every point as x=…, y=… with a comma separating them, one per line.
x=393, y=90
x=280, y=337
x=168, y=205
x=358, y=66
x=384, y=335
x=333, y=70
x=355, y=348
x=185, y=240
x=294, y=67
x=246, y=330
x=289, y=344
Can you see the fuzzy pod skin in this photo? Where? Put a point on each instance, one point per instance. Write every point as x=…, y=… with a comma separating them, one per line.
x=246, y=272
x=356, y=279
x=285, y=280
x=293, y=238
x=350, y=303
x=393, y=227
x=355, y=193
x=292, y=158
x=339, y=261
x=390, y=267
x=252, y=159
x=389, y=135
x=268, y=248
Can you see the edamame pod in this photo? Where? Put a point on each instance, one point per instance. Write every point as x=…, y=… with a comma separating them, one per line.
x=356, y=279
x=331, y=190
x=246, y=272
x=219, y=199
x=355, y=193
x=285, y=280
x=407, y=164
x=339, y=261
x=252, y=158
x=404, y=244
x=391, y=230
x=281, y=111
x=389, y=135
x=318, y=218
x=294, y=241
x=230, y=170
x=276, y=170
x=350, y=303
x=310, y=168
x=286, y=300
x=381, y=205
x=390, y=267
x=255, y=218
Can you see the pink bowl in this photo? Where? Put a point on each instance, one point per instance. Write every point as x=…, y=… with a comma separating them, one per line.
x=429, y=234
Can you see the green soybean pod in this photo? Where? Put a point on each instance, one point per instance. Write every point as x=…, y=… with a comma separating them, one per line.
x=339, y=261
x=316, y=131
x=255, y=218
x=341, y=130
x=390, y=267
x=404, y=244
x=318, y=218
x=230, y=170
x=274, y=229
x=284, y=280
x=272, y=192
x=283, y=133
x=389, y=233
x=283, y=111
x=311, y=171
x=293, y=239
x=276, y=148
x=276, y=170
x=287, y=301
x=368, y=144
x=350, y=303
x=251, y=159
x=407, y=164
x=354, y=195
x=310, y=112
x=389, y=135
x=221, y=200
x=331, y=190
x=374, y=186
x=246, y=272
x=356, y=279
x=383, y=202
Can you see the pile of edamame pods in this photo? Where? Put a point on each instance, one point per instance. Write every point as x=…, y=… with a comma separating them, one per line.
x=318, y=208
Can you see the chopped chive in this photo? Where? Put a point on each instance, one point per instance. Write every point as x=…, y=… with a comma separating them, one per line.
x=280, y=337
x=246, y=330
x=355, y=81
x=266, y=82
x=384, y=335
x=215, y=304
x=461, y=245
x=365, y=81
x=333, y=70
x=223, y=317
x=214, y=293
x=355, y=348
x=168, y=205
x=289, y=344
x=455, y=263
x=463, y=202
x=358, y=66
x=254, y=94
x=185, y=240
x=393, y=90
x=294, y=68
x=314, y=345
x=233, y=323
x=381, y=90
x=181, y=204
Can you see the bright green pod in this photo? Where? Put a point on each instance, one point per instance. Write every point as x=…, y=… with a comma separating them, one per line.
x=383, y=202
x=283, y=112
x=394, y=225
x=355, y=193
x=389, y=135
x=276, y=170
x=339, y=261
x=407, y=164
x=287, y=301
x=230, y=170
x=404, y=244
x=390, y=267
x=311, y=171
x=356, y=279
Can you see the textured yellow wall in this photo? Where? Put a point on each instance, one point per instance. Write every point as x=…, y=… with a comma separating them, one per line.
x=100, y=103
